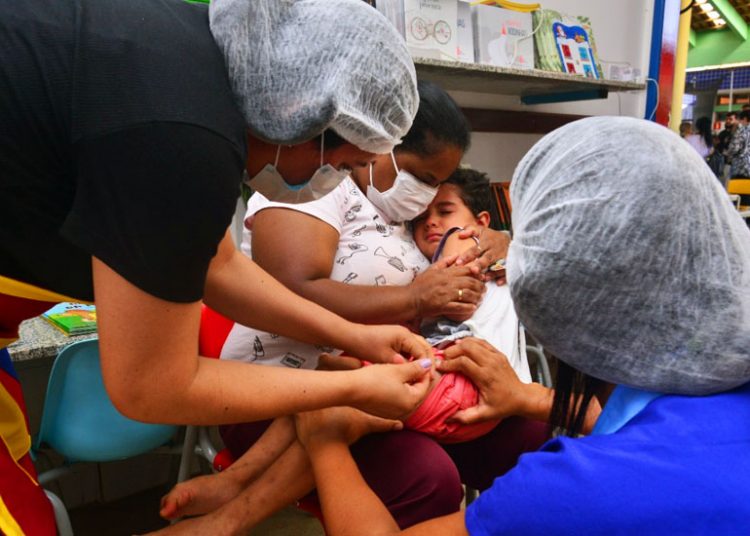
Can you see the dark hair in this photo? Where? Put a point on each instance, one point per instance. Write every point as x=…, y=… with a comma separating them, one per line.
x=573, y=393
x=475, y=192
x=745, y=114
x=474, y=189
x=733, y=114
x=331, y=140
x=439, y=121
x=703, y=129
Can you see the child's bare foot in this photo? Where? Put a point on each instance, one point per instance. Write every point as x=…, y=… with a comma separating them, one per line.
x=199, y=526
x=199, y=495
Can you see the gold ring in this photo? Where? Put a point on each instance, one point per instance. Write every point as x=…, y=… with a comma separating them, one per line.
x=460, y=294
x=497, y=265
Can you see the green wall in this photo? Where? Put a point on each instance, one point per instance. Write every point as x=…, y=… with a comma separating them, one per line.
x=717, y=47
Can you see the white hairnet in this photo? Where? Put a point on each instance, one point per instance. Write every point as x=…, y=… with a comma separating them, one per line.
x=298, y=67
x=629, y=262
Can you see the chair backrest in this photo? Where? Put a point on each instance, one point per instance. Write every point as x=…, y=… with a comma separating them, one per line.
x=79, y=420
x=739, y=186
x=214, y=331
x=501, y=205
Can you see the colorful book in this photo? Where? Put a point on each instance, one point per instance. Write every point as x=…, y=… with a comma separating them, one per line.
x=72, y=318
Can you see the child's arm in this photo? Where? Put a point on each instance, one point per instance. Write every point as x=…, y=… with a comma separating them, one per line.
x=259, y=457
x=455, y=245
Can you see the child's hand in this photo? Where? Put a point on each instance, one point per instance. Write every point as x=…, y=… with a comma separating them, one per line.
x=383, y=343
x=338, y=362
x=339, y=425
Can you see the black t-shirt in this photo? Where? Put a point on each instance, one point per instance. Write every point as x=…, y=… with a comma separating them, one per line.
x=119, y=138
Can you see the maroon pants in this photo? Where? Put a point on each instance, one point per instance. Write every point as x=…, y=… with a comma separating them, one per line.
x=416, y=477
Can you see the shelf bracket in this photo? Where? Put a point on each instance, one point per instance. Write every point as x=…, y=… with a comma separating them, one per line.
x=599, y=93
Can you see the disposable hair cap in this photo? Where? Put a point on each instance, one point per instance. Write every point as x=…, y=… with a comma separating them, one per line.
x=629, y=262
x=298, y=67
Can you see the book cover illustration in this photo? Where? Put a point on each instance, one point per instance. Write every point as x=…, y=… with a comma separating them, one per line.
x=565, y=43
x=72, y=318
x=574, y=49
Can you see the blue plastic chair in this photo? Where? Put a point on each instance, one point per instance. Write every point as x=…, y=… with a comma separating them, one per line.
x=80, y=422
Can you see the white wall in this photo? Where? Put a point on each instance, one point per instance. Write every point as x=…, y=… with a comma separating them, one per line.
x=622, y=30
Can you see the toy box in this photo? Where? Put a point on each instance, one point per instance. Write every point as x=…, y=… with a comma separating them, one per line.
x=502, y=37
x=465, y=29
x=430, y=28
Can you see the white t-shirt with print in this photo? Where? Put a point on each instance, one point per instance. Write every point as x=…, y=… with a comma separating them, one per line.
x=371, y=251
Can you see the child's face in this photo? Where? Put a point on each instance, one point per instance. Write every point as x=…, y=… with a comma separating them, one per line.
x=447, y=210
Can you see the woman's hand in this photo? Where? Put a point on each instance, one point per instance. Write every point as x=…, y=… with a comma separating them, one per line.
x=501, y=393
x=445, y=290
x=384, y=344
x=391, y=391
x=491, y=247
x=339, y=425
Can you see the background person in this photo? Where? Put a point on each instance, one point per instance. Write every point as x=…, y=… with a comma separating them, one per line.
x=120, y=160
x=672, y=441
x=701, y=138
x=462, y=201
x=738, y=151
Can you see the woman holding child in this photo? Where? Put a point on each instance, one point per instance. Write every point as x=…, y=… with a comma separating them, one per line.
x=352, y=253
x=647, y=311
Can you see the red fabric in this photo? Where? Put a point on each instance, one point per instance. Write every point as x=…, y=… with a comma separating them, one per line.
x=10, y=383
x=24, y=499
x=452, y=393
x=15, y=310
x=214, y=331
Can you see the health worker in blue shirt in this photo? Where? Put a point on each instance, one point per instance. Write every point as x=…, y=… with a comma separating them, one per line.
x=630, y=265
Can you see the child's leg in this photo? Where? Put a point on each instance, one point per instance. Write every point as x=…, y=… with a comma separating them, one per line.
x=411, y=473
x=204, y=494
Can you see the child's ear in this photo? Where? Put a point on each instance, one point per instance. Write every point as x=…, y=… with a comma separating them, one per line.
x=483, y=218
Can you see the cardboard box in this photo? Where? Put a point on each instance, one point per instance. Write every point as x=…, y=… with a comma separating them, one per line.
x=501, y=37
x=430, y=28
x=465, y=29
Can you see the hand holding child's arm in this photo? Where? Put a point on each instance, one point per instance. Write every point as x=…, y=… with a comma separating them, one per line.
x=491, y=246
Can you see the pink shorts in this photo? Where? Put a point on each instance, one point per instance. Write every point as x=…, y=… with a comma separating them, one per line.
x=452, y=393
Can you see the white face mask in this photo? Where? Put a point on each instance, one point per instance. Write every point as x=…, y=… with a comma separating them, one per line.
x=272, y=185
x=406, y=199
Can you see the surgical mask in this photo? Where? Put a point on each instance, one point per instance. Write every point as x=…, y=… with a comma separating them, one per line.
x=406, y=199
x=272, y=185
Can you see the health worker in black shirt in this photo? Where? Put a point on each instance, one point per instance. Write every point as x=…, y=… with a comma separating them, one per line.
x=124, y=132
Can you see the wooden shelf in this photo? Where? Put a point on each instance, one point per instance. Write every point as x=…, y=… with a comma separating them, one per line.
x=533, y=86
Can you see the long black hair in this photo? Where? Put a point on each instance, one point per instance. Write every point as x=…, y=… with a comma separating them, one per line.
x=573, y=393
x=439, y=121
x=703, y=129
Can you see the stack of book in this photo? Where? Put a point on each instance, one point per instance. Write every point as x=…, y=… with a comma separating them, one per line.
x=72, y=318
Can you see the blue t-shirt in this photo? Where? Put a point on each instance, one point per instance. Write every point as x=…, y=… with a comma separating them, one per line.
x=680, y=466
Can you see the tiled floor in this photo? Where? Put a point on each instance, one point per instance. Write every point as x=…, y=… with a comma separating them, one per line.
x=138, y=514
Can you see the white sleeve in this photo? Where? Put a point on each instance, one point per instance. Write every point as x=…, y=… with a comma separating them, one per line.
x=329, y=209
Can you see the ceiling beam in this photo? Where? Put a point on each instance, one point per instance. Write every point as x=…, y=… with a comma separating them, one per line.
x=734, y=20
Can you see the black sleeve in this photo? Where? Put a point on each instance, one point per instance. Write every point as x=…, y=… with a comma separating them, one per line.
x=153, y=203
